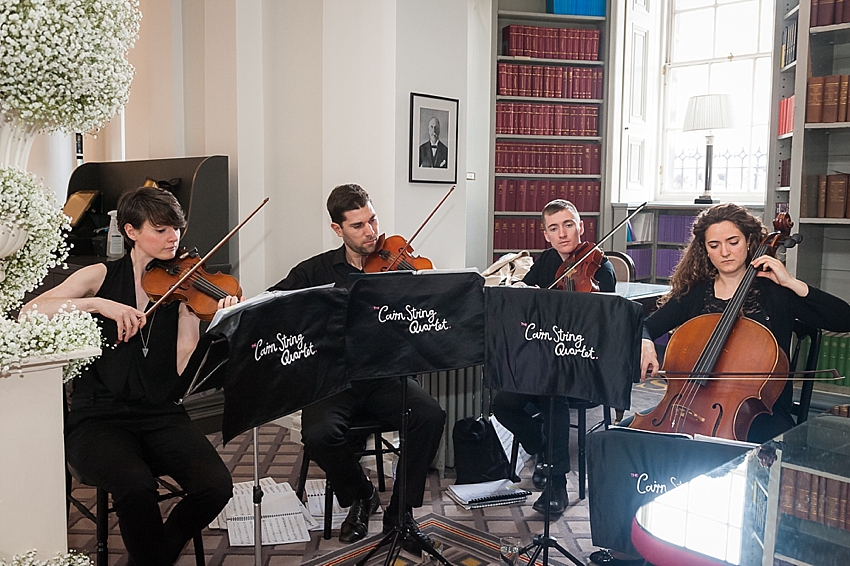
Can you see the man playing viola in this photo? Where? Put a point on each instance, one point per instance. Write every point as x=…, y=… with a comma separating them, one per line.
x=563, y=229
x=124, y=428
x=325, y=423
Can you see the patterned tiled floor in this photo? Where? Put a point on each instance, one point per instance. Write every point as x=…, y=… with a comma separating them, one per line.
x=280, y=459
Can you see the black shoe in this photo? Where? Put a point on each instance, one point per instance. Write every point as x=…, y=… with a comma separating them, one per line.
x=604, y=558
x=558, y=500
x=539, y=477
x=356, y=524
x=414, y=540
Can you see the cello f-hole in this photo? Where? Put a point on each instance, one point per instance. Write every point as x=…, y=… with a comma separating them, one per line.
x=719, y=407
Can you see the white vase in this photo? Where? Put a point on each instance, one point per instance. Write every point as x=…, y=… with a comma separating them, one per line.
x=12, y=239
x=16, y=139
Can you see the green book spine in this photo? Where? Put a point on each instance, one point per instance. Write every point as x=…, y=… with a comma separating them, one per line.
x=825, y=351
x=843, y=340
x=833, y=352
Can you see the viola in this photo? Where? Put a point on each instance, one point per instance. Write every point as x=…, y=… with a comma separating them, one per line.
x=577, y=271
x=201, y=291
x=723, y=343
x=393, y=254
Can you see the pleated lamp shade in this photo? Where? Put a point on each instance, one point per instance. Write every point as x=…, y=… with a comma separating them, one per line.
x=709, y=112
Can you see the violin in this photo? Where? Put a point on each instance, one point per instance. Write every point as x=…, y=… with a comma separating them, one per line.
x=577, y=271
x=201, y=291
x=723, y=343
x=394, y=253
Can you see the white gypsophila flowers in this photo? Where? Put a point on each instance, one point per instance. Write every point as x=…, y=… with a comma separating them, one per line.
x=63, y=63
x=26, y=203
x=37, y=335
x=28, y=559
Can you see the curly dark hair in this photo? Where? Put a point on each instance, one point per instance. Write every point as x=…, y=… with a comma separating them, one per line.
x=695, y=267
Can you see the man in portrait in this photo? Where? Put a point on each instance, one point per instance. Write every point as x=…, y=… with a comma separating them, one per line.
x=434, y=153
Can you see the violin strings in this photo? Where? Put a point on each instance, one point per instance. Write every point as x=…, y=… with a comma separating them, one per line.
x=402, y=263
x=206, y=286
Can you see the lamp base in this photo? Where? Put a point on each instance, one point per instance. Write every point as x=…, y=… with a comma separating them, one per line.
x=705, y=200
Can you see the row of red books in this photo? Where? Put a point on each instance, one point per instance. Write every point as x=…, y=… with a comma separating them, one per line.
x=814, y=498
x=550, y=43
x=828, y=12
x=550, y=82
x=524, y=118
x=521, y=195
x=826, y=98
x=786, y=115
x=526, y=232
x=548, y=158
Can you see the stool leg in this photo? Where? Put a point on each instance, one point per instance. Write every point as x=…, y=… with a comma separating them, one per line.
x=379, y=462
x=302, y=478
x=582, y=441
x=329, y=509
x=514, y=458
x=198, y=541
x=102, y=527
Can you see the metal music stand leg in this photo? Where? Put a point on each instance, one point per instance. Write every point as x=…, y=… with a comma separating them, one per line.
x=403, y=528
x=258, y=505
x=543, y=542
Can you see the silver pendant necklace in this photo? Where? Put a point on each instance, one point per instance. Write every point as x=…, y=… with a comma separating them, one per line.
x=146, y=341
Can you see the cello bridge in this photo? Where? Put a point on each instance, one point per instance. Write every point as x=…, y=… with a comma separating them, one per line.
x=684, y=412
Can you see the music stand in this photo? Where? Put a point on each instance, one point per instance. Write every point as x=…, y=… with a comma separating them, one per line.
x=429, y=321
x=287, y=350
x=551, y=343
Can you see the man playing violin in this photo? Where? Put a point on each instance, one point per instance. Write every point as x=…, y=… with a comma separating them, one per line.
x=324, y=424
x=712, y=267
x=124, y=428
x=563, y=228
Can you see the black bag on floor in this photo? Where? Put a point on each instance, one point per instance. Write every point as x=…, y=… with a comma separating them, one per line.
x=479, y=455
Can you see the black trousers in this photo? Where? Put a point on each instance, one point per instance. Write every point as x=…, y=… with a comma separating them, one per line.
x=516, y=410
x=325, y=423
x=123, y=449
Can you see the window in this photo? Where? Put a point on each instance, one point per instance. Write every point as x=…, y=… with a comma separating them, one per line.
x=724, y=47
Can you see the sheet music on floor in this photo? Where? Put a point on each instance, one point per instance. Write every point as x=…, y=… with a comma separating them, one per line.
x=487, y=494
x=315, y=490
x=285, y=518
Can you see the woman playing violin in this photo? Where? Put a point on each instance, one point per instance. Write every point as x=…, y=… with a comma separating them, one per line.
x=124, y=428
x=563, y=228
x=713, y=265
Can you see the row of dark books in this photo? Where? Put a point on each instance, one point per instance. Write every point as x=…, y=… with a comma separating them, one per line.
x=522, y=195
x=828, y=12
x=785, y=172
x=548, y=158
x=675, y=228
x=786, y=115
x=833, y=355
x=666, y=260
x=642, y=258
x=523, y=118
x=576, y=7
x=815, y=498
x=788, y=52
x=832, y=200
x=826, y=99
x=549, y=82
x=526, y=232
x=576, y=44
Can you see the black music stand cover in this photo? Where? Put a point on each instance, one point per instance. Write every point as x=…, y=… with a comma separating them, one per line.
x=403, y=324
x=542, y=342
x=287, y=350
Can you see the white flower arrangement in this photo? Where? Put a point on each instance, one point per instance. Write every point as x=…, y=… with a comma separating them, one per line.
x=26, y=203
x=28, y=559
x=37, y=335
x=63, y=63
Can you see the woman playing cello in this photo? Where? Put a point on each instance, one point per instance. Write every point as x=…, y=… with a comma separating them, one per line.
x=713, y=266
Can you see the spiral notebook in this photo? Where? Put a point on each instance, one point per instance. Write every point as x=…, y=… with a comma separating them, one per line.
x=487, y=494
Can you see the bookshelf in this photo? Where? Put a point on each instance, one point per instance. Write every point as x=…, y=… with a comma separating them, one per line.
x=809, y=155
x=549, y=121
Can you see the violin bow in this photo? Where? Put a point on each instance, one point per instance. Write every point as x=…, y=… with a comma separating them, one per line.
x=203, y=260
x=423, y=224
x=572, y=270
x=750, y=376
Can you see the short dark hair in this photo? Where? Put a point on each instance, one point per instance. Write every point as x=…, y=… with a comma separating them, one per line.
x=558, y=205
x=157, y=206
x=344, y=198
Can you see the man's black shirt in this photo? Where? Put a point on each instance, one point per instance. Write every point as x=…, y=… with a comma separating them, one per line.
x=327, y=267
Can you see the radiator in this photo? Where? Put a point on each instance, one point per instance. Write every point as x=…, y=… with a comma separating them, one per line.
x=459, y=393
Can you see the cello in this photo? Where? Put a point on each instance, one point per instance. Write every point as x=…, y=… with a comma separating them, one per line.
x=723, y=343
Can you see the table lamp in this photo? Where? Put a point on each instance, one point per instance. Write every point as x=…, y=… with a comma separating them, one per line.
x=708, y=112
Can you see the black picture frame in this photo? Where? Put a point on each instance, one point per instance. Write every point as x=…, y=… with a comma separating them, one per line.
x=433, y=162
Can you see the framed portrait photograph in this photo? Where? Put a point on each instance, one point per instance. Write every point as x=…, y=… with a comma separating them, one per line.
x=433, y=139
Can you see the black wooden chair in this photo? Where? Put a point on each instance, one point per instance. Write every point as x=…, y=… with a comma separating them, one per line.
x=581, y=406
x=357, y=434
x=800, y=409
